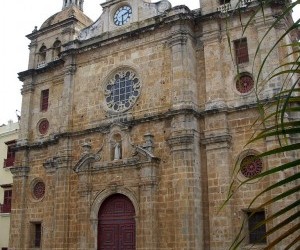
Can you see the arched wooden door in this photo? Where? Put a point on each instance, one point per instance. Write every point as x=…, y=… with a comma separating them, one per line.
x=116, y=225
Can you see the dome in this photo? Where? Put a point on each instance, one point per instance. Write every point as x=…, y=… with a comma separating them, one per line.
x=72, y=11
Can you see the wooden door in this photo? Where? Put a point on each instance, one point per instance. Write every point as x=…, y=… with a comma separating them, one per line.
x=116, y=225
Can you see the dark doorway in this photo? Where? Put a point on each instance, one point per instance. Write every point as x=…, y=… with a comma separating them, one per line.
x=116, y=225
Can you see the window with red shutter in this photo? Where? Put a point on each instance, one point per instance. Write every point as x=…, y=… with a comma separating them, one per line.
x=44, y=99
x=241, y=51
x=10, y=157
x=6, y=206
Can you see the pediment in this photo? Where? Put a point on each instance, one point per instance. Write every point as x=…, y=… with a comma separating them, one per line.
x=141, y=10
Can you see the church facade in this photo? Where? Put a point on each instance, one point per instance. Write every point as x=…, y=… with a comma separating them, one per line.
x=131, y=127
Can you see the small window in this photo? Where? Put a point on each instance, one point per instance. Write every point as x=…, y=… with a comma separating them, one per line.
x=6, y=207
x=44, y=99
x=37, y=234
x=241, y=51
x=244, y=84
x=251, y=166
x=256, y=235
x=10, y=157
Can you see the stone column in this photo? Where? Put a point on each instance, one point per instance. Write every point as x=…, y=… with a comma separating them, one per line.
x=148, y=211
x=62, y=214
x=27, y=109
x=214, y=79
x=18, y=227
x=187, y=192
x=67, y=96
x=184, y=86
x=85, y=236
x=219, y=168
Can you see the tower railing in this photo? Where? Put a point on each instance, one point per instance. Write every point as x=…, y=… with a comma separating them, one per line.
x=224, y=8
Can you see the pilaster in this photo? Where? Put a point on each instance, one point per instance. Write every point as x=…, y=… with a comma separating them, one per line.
x=214, y=80
x=18, y=227
x=67, y=96
x=62, y=194
x=148, y=208
x=184, y=86
x=217, y=141
x=187, y=191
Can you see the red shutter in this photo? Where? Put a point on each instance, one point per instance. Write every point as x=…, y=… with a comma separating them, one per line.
x=6, y=207
x=44, y=99
x=241, y=51
x=10, y=158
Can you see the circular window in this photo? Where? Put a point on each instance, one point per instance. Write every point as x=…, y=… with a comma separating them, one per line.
x=244, y=84
x=43, y=126
x=251, y=166
x=39, y=190
x=122, y=90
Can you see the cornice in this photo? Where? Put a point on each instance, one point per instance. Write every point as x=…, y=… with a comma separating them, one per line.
x=19, y=171
x=105, y=125
x=33, y=72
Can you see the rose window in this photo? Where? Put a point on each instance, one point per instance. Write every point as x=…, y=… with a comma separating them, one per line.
x=251, y=166
x=39, y=190
x=43, y=126
x=122, y=90
x=244, y=84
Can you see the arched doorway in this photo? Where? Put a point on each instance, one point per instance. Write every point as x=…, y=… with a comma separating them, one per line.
x=116, y=224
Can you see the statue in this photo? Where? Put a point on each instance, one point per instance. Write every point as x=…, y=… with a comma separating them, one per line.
x=117, y=153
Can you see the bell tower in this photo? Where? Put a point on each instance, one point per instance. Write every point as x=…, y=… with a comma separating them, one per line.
x=210, y=6
x=77, y=3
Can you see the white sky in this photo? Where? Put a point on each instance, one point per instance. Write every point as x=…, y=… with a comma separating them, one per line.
x=18, y=19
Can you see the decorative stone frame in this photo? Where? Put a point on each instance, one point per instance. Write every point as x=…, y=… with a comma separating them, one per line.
x=39, y=128
x=237, y=77
x=239, y=160
x=100, y=197
x=32, y=185
x=109, y=78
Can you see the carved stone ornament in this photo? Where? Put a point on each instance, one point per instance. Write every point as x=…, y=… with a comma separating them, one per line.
x=87, y=158
x=19, y=171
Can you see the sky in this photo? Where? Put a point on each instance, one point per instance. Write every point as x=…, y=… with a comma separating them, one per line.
x=18, y=19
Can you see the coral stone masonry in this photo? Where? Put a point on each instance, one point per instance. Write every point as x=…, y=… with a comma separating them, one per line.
x=131, y=127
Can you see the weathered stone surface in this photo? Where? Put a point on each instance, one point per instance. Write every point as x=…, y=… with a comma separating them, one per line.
x=177, y=145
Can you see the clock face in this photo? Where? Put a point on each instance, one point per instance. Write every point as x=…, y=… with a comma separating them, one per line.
x=122, y=15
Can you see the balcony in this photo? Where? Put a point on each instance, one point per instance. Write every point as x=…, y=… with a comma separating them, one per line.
x=5, y=208
x=9, y=162
x=224, y=8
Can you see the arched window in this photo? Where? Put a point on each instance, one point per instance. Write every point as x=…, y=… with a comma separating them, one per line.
x=56, y=50
x=42, y=53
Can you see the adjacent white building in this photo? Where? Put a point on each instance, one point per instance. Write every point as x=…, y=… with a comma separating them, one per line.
x=8, y=136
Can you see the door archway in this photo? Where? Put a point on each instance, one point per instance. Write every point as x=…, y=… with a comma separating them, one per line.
x=116, y=224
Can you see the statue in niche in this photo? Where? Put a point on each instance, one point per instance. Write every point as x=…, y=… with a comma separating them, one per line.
x=117, y=151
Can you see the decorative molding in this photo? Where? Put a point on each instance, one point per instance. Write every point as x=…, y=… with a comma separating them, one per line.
x=19, y=172
x=27, y=88
x=178, y=38
x=180, y=140
x=216, y=139
x=70, y=69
